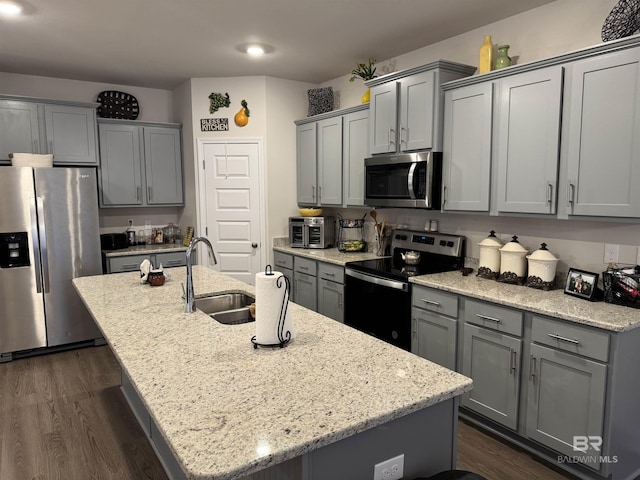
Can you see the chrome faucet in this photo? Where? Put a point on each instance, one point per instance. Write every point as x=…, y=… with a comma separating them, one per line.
x=189, y=295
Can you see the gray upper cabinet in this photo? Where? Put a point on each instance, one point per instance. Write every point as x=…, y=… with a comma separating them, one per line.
x=406, y=107
x=67, y=130
x=306, y=163
x=19, y=130
x=329, y=147
x=527, y=123
x=141, y=164
x=602, y=119
x=71, y=134
x=355, y=148
x=467, y=148
x=330, y=161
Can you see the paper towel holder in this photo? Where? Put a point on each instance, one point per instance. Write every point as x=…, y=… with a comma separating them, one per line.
x=283, y=337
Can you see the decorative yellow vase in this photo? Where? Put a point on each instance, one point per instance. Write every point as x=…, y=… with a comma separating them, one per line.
x=366, y=96
x=486, y=55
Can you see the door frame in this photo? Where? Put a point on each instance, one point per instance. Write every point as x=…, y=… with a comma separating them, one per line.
x=200, y=187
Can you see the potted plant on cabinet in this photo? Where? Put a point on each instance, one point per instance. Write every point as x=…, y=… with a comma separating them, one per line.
x=365, y=72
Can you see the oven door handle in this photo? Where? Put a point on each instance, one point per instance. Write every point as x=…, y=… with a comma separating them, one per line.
x=412, y=171
x=383, y=282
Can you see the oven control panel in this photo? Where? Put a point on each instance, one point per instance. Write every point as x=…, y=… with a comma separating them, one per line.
x=439, y=243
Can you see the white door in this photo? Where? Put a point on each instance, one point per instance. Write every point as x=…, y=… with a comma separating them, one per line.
x=231, y=209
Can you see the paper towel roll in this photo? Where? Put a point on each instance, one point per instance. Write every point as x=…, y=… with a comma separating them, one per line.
x=269, y=302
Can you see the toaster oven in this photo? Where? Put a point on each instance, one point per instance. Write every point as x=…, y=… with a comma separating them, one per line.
x=312, y=232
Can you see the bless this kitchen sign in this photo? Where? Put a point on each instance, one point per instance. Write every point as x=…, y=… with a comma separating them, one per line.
x=214, y=124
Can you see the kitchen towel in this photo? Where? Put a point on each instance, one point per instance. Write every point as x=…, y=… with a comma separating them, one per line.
x=270, y=299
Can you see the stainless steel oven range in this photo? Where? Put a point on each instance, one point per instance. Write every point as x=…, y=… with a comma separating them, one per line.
x=378, y=292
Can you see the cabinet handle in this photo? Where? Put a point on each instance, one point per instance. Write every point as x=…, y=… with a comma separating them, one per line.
x=149, y=192
x=329, y=274
x=532, y=368
x=339, y=300
x=570, y=192
x=444, y=196
x=430, y=302
x=485, y=317
x=313, y=192
x=513, y=354
x=414, y=330
x=402, y=129
x=138, y=194
x=302, y=267
x=564, y=339
x=319, y=193
x=35, y=147
x=549, y=193
x=390, y=141
x=51, y=146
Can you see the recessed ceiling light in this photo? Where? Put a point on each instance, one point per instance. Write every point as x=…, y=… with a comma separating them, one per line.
x=255, y=49
x=10, y=8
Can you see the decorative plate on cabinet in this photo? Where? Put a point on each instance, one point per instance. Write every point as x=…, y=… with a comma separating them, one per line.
x=114, y=104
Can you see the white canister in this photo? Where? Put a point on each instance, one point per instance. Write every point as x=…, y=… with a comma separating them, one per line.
x=489, y=264
x=542, y=268
x=513, y=262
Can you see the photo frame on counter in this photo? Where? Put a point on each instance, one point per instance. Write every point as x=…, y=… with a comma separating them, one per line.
x=581, y=284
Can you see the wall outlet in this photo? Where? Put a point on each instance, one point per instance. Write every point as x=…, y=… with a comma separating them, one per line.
x=611, y=253
x=392, y=469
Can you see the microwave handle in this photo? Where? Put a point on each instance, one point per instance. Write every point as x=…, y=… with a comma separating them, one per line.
x=412, y=171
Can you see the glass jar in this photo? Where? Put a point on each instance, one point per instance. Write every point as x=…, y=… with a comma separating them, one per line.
x=351, y=235
x=170, y=233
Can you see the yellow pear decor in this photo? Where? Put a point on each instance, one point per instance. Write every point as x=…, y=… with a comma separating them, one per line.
x=242, y=117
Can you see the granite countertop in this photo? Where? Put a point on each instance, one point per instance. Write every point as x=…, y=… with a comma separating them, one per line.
x=146, y=249
x=553, y=303
x=227, y=409
x=329, y=255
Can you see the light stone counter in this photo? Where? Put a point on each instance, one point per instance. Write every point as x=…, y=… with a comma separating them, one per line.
x=226, y=409
x=146, y=249
x=329, y=255
x=554, y=303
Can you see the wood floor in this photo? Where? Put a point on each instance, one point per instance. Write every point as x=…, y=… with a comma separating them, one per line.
x=62, y=416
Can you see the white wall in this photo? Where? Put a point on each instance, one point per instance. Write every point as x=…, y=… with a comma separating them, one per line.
x=553, y=29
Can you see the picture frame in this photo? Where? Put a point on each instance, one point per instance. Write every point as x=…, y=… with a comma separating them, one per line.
x=581, y=284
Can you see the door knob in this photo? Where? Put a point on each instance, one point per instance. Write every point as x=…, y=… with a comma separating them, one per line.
x=254, y=245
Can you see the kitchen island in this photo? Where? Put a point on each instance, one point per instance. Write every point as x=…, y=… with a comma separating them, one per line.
x=216, y=408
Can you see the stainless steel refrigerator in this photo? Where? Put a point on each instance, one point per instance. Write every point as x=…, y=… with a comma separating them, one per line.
x=49, y=234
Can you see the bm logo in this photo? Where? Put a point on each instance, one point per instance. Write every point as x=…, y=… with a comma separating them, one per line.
x=582, y=443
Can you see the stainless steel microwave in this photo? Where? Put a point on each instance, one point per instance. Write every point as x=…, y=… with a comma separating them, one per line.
x=312, y=232
x=411, y=180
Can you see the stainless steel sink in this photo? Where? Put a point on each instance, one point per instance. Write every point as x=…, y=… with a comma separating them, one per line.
x=227, y=308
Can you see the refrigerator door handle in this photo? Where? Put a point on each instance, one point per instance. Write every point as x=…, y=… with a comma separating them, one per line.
x=43, y=243
x=34, y=240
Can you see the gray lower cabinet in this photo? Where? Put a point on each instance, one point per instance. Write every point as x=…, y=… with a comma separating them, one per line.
x=491, y=356
x=601, y=128
x=567, y=375
x=305, y=283
x=434, y=326
x=140, y=164
x=331, y=291
x=131, y=263
x=67, y=130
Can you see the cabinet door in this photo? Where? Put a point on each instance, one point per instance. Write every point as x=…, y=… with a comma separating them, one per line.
x=528, y=141
x=603, y=141
x=416, y=111
x=383, y=118
x=170, y=259
x=467, y=148
x=305, y=287
x=19, y=132
x=120, y=165
x=163, y=166
x=434, y=338
x=330, y=161
x=71, y=134
x=355, y=148
x=331, y=299
x=306, y=161
x=566, y=399
x=492, y=360
x=129, y=263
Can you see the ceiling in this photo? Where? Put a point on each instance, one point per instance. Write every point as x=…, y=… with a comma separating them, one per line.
x=161, y=43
